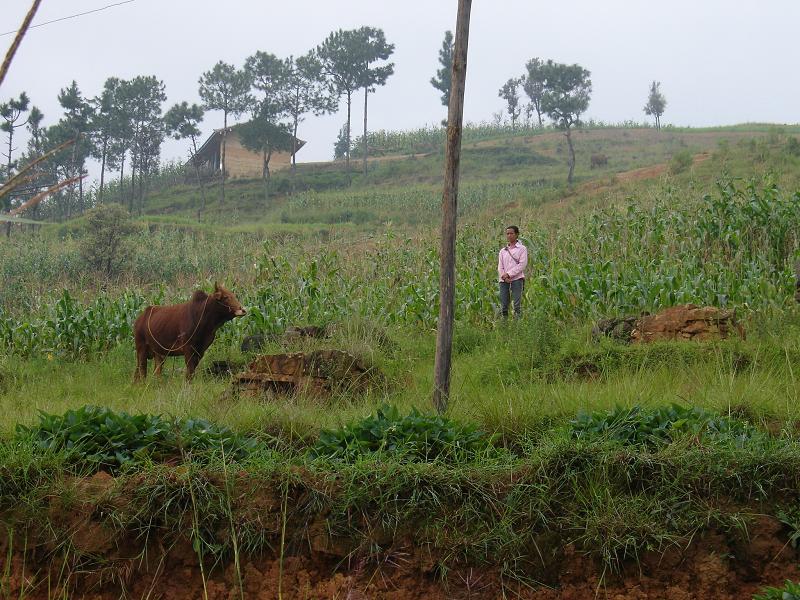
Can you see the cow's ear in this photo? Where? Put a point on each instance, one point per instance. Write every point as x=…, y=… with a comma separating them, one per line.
x=216, y=286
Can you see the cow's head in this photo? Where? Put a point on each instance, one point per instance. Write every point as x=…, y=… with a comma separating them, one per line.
x=227, y=301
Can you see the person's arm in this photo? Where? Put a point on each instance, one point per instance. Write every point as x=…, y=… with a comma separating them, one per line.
x=500, y=270
x=518, y=268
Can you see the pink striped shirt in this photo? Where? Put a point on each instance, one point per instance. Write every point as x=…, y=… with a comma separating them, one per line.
x=512, y=260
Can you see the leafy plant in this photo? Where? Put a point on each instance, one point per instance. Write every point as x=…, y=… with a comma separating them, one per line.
x=639, y=426
x=108, y=440
x=790, y=591
x=790, y=517
x=415, y=436
x=680, y=162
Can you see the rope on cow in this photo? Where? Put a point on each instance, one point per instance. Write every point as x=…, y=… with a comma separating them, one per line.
x=173, y=349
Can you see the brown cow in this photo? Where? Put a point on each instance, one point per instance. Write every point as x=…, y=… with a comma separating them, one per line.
x=182, y=329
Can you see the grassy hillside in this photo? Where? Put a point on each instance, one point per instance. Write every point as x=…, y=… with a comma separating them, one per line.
x=560, y=453
x=536, y=160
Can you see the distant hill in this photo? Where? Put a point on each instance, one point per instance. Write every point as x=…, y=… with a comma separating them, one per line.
x=320, y=193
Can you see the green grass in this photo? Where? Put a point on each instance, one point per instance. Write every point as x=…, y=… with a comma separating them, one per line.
x=364, y=259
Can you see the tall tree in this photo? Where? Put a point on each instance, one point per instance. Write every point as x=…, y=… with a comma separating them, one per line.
x=375, y=49
x=225, y=88
x=265, y=136
x=147, y=96
x=103, y=126
x=266, y=132
x=11, y=113
x=533, y=84
x=122, y=132
x=566, y=96
x=76, y=119
x=443, y=80
x=656, y=103
x=35, y=119
x=307, y=93
x=182, y=122
x=510, y=93
x=341, y=55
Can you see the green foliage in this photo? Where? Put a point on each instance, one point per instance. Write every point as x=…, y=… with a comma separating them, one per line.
x=652, y=427
x=442, y=81
x=793, y=146
x=790, y=517
x=567, y=90
x=106, y=246
x=790, y=591
x=680, y=162
x=415, y=436
x=104, y=439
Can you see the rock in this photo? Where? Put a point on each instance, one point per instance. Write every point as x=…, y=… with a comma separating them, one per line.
x=687, y=322
x=318, y=372
x=619, y=329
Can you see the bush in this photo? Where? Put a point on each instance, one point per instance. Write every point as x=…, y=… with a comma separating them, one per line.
x=680, y=162
x=415, y=436
x=105, y=245
x=790, y=591
x=793, y=146
x=638, y=426
x=104, y=439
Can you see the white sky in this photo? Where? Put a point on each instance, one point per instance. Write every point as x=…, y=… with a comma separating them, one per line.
x=719, y=62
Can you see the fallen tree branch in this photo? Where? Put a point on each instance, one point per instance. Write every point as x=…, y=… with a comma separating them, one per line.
x=41, y=196
x=20, y=177
x=18, y=39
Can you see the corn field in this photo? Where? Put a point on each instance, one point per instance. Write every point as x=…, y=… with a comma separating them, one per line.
x=734, y=247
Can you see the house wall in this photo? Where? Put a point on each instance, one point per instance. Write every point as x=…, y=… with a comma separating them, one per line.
x=241, y=162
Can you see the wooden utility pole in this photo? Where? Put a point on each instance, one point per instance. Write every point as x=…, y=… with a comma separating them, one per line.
x=447, y=275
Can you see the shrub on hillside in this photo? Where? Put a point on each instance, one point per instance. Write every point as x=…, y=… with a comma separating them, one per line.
x=104, y=439
x=652, y=427
x=790, y=591
x=105, y=245
x=415, y=436
x=793, y=146
x=680, y=162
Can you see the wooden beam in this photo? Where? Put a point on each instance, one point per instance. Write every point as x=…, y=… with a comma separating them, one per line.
x=18, y=39
x=447, y=258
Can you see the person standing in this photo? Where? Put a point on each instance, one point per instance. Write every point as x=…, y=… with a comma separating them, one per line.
x=511, y=269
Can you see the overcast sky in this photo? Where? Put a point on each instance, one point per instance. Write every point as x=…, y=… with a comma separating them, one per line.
x=719, y=62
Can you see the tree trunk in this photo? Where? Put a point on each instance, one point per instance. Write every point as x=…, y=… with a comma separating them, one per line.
x=200, y=183
x=265, y=174
x=347, y=154
x=103, y=169
x=222, y=158
x=122, y=180
x=133, y=186
x=10, y=149
x=571, y=156
x=80, y=191
x=366, y=146
x=294, y=153
x=447, y=274
x=141, y=190
x=539, y=114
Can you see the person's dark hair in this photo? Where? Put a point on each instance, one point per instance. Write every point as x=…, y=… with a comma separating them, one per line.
x=514, y=228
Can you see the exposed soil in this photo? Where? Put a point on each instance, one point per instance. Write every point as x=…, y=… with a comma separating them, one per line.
x=715, y=566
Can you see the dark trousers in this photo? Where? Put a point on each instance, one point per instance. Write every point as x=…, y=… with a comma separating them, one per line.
x=509, y=291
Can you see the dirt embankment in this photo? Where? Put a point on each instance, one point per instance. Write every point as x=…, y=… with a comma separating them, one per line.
x=716, y=566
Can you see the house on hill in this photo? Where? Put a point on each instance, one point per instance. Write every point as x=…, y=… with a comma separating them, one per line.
x=239, y=161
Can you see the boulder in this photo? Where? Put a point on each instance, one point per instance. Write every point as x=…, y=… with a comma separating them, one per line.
x=318, y=373
x=687, y=322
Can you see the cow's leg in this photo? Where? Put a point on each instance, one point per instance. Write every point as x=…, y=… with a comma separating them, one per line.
x=192, y=358
x=158, y=363
x=141, y=361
